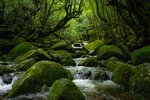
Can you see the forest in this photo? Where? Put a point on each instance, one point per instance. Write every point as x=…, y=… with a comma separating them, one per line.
x=74, y=49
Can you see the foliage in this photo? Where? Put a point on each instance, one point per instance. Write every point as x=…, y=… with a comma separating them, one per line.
x=34, y=19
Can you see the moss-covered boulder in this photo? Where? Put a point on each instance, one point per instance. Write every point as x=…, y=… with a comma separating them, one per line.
x=108, y=51
x=20, y=49
x=90, y=62
x=111, y=63
x=65, y=89
x=38, y=55
x=63, y=45
x=5, y=69
x=141, y=55
x=125, y=51
x=140, y=82
x=66, y=59
x=25, y=65
x=122, y=74
x=41, y=73
x=100, y=74
x=80, y=53
x=93, y=45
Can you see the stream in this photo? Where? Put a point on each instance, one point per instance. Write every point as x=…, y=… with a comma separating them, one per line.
x=93, y=89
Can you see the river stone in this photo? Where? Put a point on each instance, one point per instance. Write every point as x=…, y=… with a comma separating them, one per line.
x=63, y=45
x=140, y=82
x=63, y=57
x=41, y=73
x=141, y=55
x=65, y=89
x=5, y=69
x=93, y=45
x=108, y=51
x=20, y=49
x=122, y=74
x=111, y=63
x=25, y=65
x=90, y=62
x=38, y=54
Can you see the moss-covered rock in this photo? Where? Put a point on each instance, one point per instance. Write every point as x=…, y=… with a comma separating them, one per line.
x=92, y=45
x=41, y=73
x=90, y=62
x=25, y=65
x=64, y=89
x=38, y=55
x=5, y=69
x=124, y=50
x=140, y=82
x=63, y=45
x=100, y=75
x=20, y=49
x=111, y=63
x=122, y=74
x=66, y=59
x=141, y=55
x=108, y=51
x=80, y=53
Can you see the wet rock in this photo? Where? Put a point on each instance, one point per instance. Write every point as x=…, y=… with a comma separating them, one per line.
x=7, y=78
x=80, y=53
x=122, y=74
x=140, y=82
x=63, y=57
x=41, y=73
x=25, y=65
x=108, y=51
x=66, y=59
x=65, y=89
x=4, y=69
x=63, y=45
x=20, y=49
x=100, y=75
x=38, y=54
x=92, y=45
x=141, y=55
x=111, y=63
x=90, y=62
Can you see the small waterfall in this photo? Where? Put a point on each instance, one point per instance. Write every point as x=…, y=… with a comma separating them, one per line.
x=4, y=87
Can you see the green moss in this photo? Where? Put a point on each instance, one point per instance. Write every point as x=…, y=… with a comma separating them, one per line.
x=38, y=55
x=65, y=59
x=122, y=74
x=5, y=69
x=111, y=63
x=20, y=49
x=140, y=82
x=108, y=51
x=90, y=62
x=92, y=45
x=141, y=55
x=80, y=53
x=25, y=65
x=41, y=73
x=64, y=89
x=63, y=45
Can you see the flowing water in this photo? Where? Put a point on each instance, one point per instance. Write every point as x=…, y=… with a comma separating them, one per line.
x=83, y=78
